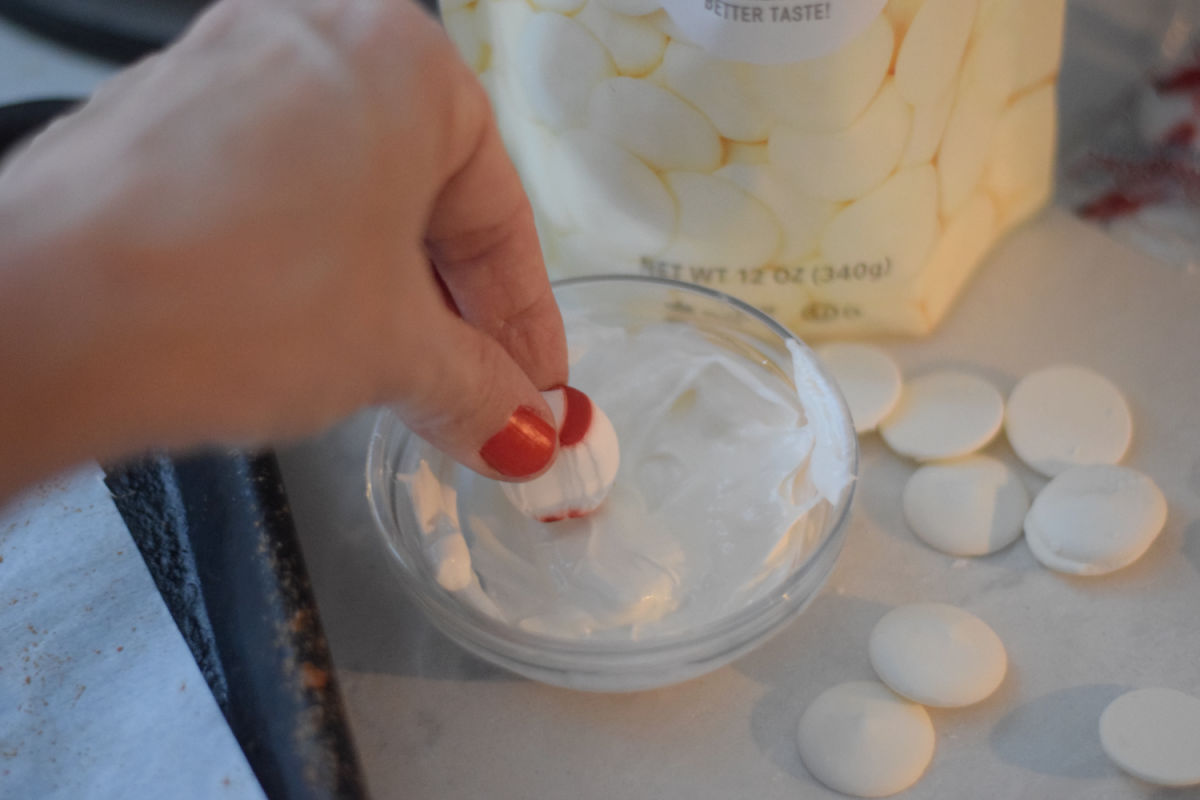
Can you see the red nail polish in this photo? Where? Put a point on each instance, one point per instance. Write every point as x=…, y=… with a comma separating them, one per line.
x=577, y=418
x=522, y=447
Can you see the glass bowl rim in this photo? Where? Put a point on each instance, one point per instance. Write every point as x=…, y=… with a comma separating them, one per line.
x=514, y=643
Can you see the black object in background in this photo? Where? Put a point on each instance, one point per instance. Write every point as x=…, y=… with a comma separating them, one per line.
x=116, y=30
x=218, y=538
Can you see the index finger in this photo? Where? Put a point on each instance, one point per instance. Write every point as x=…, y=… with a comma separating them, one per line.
x=482, y=241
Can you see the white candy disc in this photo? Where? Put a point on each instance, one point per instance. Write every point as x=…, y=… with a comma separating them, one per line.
x=869, y=380
x=944, y=415
x=937, y=654
x=1093, y=520
x=970, y=507
x=1067, y=415
x=1154, y=734
x=859, y=738
x=586, y=466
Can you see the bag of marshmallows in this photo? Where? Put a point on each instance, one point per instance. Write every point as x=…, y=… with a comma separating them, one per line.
x=843, y=165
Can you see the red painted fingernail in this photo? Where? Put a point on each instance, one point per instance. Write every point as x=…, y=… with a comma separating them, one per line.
x=522, y=447
x=577, y=418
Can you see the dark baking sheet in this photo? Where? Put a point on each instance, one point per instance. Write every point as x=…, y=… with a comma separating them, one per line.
x=217, y=534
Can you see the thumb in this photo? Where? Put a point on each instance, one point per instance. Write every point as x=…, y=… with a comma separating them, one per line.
x=466, y=396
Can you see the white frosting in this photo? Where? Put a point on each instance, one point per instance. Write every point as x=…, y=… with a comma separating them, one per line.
x=860, y=739
x=728, y=475
x=1154, y=734
x=937, y=654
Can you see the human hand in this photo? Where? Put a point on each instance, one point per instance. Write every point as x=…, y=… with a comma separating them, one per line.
x=264, y=228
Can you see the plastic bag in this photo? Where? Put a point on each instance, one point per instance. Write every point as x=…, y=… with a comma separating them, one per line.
x=843, y=165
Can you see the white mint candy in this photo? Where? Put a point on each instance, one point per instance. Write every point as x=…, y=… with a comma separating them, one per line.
x=1066, y=415
x=712, y=86
x=1154, y=734
x=719, y=223
x=944, y=415
x=848, y=163
x=1094, y=520
x=933, y=47
x=867, y=377
x=559, y=62
x=801, y=218
x=859, y=738
x=970, y=507
x=654, y=124
x=606, y=188
x=585, y=468
x=635, y=45
x=937, y=654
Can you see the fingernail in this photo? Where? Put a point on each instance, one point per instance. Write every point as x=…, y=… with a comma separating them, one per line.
x=577, y=418
x=522, y=447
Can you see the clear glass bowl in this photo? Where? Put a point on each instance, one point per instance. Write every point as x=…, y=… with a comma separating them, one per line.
x=606, y=665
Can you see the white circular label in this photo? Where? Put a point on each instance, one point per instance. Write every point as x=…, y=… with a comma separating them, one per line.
x=772, y=31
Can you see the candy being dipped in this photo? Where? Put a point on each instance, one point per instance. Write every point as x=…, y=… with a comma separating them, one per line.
x=582, y=475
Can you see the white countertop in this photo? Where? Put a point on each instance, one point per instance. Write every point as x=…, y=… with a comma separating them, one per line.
x=434, y=722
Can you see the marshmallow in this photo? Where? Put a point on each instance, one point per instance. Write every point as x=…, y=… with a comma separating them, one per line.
x=607, y=189
x=800, y=218
x=712, y=86
x=937, y=654
x=1020, y=166
x=933, y=47
x=720, y=223
x=558, y=63
x=586, y=466
x=1066, y=415
x=654, y=124
x=827, y=93
x=860, y=739
x=1095, y=520
x=636, y=46
x=1154, y=734
x=848, y=163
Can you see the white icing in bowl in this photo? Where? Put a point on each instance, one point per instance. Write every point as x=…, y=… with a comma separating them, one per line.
x=737, y=466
